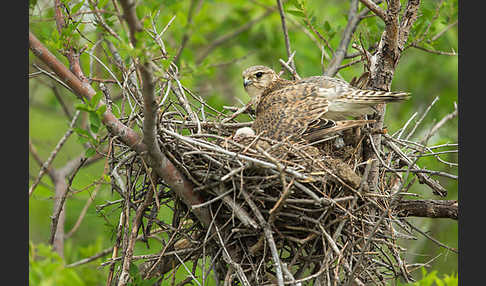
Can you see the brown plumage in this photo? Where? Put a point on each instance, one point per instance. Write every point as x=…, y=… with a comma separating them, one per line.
x=286, y=108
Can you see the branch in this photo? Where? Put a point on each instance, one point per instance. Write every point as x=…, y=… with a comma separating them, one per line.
x=54, y=152
x=353, y=20
x=383, y=64
x=130, y=15
x=149, y=111
x=375, y=8
x=428, y=208
x=125, y=275
x=286, y=33
x=128, y=136
x=409, y=17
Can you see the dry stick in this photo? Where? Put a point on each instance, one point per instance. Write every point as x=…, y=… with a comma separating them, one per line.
x=157, y=36
x=453, y=53
x=188, y=271
x=52, y=77
x=313, y=38
x=34, y=153
x=54, y=152
x=401, y=130
x=421, y=118
x=286, y=33
x=240, y=213
x=124, y=275
x=102, y=22
x=292, y=71
x=393, y=200
x=439, y=124
x=268, y=235
x=163, y=252
x=431, y=238
x=181, y=96
x=443, y=31
x=212, y=200
x=64, y=107
x=89, y=259
x=149, y=257
x=280, y=203
x=114, y=254
x=59, y=205
x=433, y=184
x=233, y=154
x=83, y=212
x=238, y=112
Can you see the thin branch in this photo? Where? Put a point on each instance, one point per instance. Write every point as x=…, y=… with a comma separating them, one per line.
x=125, y=276
x=439, y=34
x=83, y=213
x=130, y=16
x=89, y=259
x=431, y=238
x=453, y=53
x=353, y=20
x=62, y=190
x=54, y=152
x=285, y=32
x=375, y=8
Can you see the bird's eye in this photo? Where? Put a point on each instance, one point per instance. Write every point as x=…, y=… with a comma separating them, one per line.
x=259, y=74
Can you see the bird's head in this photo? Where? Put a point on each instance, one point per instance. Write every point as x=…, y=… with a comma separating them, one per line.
x=256, y=79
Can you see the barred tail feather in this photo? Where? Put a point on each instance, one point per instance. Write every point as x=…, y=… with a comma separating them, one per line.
x=375, y=97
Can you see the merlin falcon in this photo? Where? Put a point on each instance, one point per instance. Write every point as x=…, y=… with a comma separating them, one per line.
x=293, y=108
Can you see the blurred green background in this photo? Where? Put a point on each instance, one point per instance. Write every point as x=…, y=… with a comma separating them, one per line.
x=213, y=70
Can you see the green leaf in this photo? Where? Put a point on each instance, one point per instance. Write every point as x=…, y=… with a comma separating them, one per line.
x=107, y=178
x=83, y=107
x=81, y=132
x=89, y=152
x=94, y=122
x=95, y=99
x=101, y=110
x=84, y=136
x=326, y=26
x=102, y=3
x=297, y=13
x=77, y=7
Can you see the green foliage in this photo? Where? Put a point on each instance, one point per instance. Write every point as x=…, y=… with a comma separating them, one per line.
x=137, y=279
x=46, y=268
x=432, y=279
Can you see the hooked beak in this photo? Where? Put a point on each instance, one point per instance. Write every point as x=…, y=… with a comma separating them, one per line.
x=246, y=82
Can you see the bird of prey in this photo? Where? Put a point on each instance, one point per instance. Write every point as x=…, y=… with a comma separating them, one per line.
x=296, y=108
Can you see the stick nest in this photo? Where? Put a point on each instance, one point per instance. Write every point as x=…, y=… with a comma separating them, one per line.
x=279, y=210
